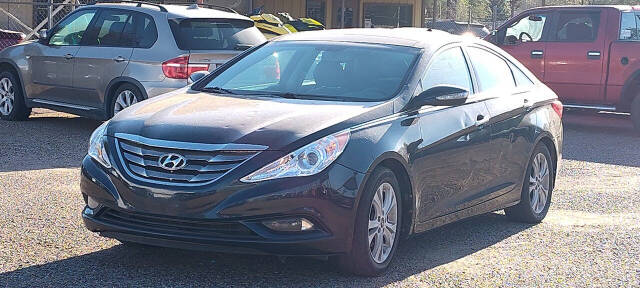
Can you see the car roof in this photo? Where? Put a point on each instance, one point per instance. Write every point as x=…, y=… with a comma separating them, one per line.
x=561, y=7
x=411, y=37
x=176, y=11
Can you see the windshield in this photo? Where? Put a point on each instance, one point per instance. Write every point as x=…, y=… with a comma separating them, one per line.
x=317, y=70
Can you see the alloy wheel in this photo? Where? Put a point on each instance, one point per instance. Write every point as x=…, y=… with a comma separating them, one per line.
x=539, y=183
x=7, y=96
x=383, y=216
x=125, y=99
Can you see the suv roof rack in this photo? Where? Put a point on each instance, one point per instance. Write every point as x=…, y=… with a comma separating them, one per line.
x=205, y=5
x=140, y=3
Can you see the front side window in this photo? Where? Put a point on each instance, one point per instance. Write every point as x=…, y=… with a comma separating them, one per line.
x=629, y=28
x=492, y=72
x=527, y=29
x=108, y=28
x=71, y=30
x=323, y=71
x=577, y=27
x=448, y=68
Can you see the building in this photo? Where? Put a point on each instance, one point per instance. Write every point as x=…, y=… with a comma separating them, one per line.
x=357, y=13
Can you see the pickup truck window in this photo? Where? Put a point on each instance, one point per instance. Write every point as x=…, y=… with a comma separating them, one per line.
x=577, y=27
x=527, y=29
x=629, y=26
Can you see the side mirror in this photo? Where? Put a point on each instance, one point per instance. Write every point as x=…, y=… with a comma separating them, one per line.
x=43, y=34
x=195, y=76
x=441, y=95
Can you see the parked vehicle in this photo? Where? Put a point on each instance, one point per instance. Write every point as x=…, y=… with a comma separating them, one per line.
x=300, y=24
x=270, y=25
x=103, y=58
x=460, y=28
x=587, y=54
x=356, y=141
x=9, y=38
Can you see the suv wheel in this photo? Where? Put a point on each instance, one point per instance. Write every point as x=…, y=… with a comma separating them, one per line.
x=635, y=113
x=536, y=190
x=12, y=105
x=377, y=230
x=125, y=96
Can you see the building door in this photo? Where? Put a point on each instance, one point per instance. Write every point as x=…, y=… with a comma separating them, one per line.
x=378, y=15
x=350, y=13
x=316, y=9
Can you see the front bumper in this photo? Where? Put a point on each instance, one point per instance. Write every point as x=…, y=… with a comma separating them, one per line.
x=118, y=207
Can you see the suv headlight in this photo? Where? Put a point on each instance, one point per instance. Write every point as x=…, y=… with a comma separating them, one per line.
x=97, y=149
x=308, y=160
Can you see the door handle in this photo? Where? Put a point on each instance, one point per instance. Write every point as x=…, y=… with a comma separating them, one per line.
x=119, y=59
x=481, y=120
x=537, y=54
x=593, y=55
x=68, y=56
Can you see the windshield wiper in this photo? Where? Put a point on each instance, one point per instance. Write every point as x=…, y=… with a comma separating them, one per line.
x=218, y=90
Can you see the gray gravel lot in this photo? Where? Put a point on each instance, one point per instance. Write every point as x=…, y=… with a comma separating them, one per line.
x=591, y=236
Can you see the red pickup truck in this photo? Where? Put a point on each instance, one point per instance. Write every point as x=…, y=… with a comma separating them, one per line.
x=589, y=55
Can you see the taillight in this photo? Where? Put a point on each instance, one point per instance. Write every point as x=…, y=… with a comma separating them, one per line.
x=179, y=68
x=557, y=106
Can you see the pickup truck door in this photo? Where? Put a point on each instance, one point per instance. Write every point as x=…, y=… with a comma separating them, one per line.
x=524, y=39
x=574, y=56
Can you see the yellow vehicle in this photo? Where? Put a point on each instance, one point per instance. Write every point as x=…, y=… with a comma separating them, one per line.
x=300, y=24
x=270, y=25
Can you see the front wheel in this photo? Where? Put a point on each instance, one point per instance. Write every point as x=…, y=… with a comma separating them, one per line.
x=377, y=231
x=12, y=106
x=536, y=190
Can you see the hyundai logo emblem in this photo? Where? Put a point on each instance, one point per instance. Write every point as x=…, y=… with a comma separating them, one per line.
x=172, y=161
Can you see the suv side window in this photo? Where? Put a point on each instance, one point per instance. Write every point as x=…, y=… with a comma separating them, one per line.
x=527, y=29
x=577, y=26
x=140, y=31
x=448, y=68
x=108, y=27
x=493, y=73
x=629, y=29
x=70, y=31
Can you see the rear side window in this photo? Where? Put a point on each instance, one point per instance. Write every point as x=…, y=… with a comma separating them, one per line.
x=492, y=72
x=215, y=34
x=521, y=79
x=140, y=31
x=577, y=27
x=629, y=29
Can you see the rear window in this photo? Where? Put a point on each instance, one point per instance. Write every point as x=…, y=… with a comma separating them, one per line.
x=215, y=34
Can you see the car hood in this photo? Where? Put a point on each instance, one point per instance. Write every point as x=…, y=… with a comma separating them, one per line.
x=192, y=116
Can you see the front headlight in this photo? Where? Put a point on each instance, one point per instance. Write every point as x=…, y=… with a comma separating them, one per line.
x=306, y=161
x=97, y=149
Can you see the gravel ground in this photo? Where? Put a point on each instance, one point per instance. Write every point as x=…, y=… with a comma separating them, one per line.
x=589, y=238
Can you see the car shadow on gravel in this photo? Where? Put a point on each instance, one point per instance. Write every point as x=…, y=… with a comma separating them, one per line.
x=45, y=142
x=133, y=265
x=600, y=138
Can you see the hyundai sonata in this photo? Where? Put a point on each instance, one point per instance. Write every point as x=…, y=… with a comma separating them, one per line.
x=332, y=143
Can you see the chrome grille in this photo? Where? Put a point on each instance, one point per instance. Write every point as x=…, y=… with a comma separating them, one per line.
x=205, y=163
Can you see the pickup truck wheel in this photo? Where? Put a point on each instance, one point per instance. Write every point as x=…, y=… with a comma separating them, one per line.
x=12, y=106
x=635, y=113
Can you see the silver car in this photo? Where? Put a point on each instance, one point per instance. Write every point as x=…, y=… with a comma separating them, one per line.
x=103, y=58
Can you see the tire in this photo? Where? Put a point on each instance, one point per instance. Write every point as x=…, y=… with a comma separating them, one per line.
x=12, y=106
x=635, y=113
x=530, y=209
x=359, y=260
x=125, y=96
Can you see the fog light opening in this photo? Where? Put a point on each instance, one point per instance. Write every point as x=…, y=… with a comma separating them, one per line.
x=289, y=225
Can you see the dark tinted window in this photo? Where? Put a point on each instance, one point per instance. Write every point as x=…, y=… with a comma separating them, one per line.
x=629, y=28
x=577, y=27
x=449, y=68
x=214, y=34
x=492, y=72
x=140, y=31
x=311, y=70
x=107, y=29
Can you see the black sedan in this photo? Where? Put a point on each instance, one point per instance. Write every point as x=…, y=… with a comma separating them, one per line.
x=332, y=143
